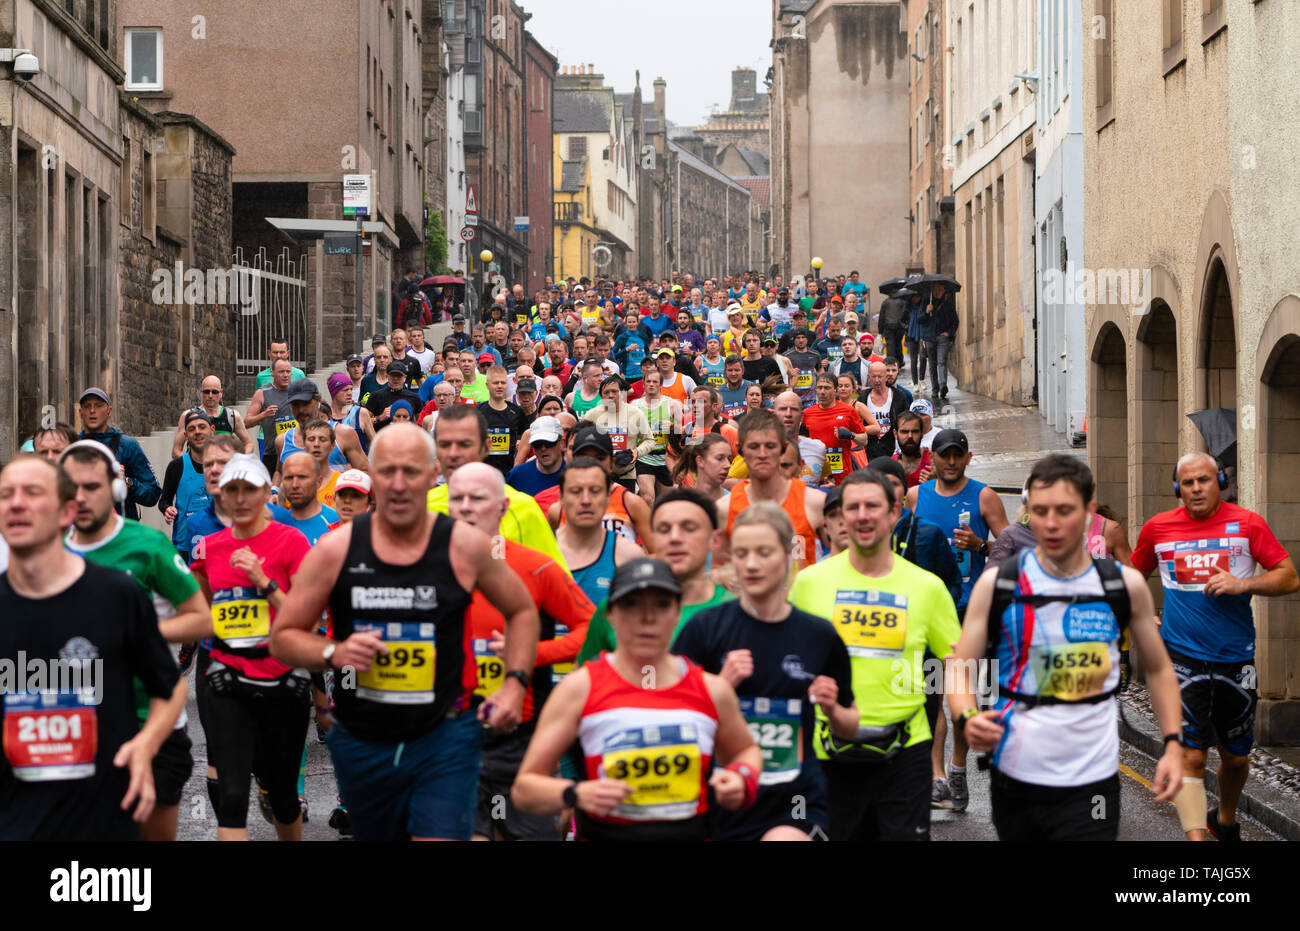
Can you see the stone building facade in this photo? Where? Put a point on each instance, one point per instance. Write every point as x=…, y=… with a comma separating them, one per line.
x=539, y=92
x=711, y=216
x=932, y=241
x=747, y=121
x=1182, y=104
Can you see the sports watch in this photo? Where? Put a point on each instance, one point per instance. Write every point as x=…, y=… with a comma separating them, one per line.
x=522, y=676
x=570, y=796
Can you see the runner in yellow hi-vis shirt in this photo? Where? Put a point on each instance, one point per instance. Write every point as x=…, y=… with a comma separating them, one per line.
x=888, y=611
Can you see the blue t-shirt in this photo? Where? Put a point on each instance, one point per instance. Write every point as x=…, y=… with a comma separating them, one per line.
x=658, y=326
x=527, y=478
x=949, y=513
x=314, y=527
x=859, y=289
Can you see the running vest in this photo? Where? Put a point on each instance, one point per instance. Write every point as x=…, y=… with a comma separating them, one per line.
x=283, y=420
x=581, y=405
x=337, y=458
x=949, y=514
x=221, y=422
x=594, y=579
x=659, y=741
x=191, y=497
x=882, y=444
x=677, y=390
x=1057, y=646
x=661, y=425
x=419, y=612
x=353, y=419
x=713, y=371
x=793, y=505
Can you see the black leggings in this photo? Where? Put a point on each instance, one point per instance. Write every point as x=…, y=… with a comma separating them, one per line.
x=262, y=736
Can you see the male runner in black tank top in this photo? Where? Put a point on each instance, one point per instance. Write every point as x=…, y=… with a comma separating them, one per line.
x=406, y=748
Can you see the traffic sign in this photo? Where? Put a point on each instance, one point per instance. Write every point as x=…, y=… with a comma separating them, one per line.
x=356, y=195
x=521, y=224
x=471, y=219
x=468, y=233
x=471, y=201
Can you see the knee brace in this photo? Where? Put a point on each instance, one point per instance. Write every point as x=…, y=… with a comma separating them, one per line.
x=1191, y=804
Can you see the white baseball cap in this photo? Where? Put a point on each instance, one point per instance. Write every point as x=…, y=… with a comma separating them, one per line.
x=354, y=479
x=245, y=468
x=546, y=429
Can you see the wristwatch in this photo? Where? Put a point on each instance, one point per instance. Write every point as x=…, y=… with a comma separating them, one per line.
x=1176, y=738
x=522, y=676
x=272, y=586
x=328, y=654
x=966, y=716
x=570, y=796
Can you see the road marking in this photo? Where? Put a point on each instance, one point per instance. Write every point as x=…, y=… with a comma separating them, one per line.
x=1135, y=776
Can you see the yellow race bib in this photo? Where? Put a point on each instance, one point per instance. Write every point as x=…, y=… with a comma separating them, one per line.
x=835, y=461
x=491, y=669
x=284, y=426
x=872, y=624
x=498, y=440
x=662, y=764
x=240, y=617
x=803, y=379
x=1071, y=671
x=404, y=675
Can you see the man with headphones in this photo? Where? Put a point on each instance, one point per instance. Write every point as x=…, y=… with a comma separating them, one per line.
x=1207, y=550
x=146, y=555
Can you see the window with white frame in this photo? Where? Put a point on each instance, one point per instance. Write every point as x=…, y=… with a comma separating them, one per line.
x=144, y=59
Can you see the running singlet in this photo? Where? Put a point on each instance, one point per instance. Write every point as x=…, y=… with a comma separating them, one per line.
x=886, y=623
x=338, y=460
x=661, y=425
x=283, y=421
x=659, y=741
x=221, y=422
x=242, y=618
x=713, y=371
x=1216, y=629
x=805, y=547
x=594, y=579
x=419, y=613
x=581, y=405
x=950, y=513
x=191, y=498
x=1064, y=651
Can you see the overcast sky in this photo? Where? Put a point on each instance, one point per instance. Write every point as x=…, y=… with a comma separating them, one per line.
x=691, y=44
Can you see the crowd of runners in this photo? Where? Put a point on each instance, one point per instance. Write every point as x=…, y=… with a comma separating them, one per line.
x=619, y=560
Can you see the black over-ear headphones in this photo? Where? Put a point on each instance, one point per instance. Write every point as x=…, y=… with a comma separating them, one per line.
x=1222, y=476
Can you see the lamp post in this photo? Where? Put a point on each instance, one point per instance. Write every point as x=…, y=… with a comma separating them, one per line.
x=484, y=257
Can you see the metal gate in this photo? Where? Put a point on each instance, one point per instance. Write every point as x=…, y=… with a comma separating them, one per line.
x=278, y=309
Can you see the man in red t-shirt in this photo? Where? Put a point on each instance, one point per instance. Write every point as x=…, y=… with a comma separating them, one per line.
x=1207, y=551
x=835, y=424
x=476, y=494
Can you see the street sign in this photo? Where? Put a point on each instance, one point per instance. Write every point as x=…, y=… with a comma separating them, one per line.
x=471, y=201
x=521, y=224
x=356, y=195
x=471, y=219
x=468, y=233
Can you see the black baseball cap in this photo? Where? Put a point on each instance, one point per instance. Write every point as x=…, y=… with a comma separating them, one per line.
x=302, y=389
x=377, y=339
x=832, y=502
x=591, y=437
x=948, y=439
x=354, y=358
x=642, y=573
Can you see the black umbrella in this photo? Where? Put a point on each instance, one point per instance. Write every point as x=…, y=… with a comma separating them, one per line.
x=952, y=284
x=892, y=285
x=904, y=293
x=1218, y=425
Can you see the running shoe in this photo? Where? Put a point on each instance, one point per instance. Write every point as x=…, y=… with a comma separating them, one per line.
x=960, y=793
x=341, y=822
x=940, y=794
x=302, y=805
x=186, y=656
x=1228, y=833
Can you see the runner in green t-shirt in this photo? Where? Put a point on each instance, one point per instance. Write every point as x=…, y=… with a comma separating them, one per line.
x=887, y=611
x=683, y=531
x=148, y=556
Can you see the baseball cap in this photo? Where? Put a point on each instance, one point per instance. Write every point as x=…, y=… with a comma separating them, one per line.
x=832, y=502
x=301, y=389
x=486, y=357
x=642, y=573
x=200, y=415
x=354, y=479
x=783, y=290
x=459, y=318
x=545, y=429
x=94, y=393
x=676, y=287
x=397, y=368
x=337, y=382
x=866, y=338
x=801, y=331
x=948, y=439
x=769, y=341
x=666, y=352
x=355, y=358
x=526, y=384
x=377, y=339
x=922, y=406
x=592, y=438
x=578, y=287
x=245, y=467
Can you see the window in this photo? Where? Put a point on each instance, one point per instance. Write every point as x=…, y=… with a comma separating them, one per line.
x=1214, y=19
x=1172, y=39
x=144, y=60
x=124, y=189
x=1105, y=56
x=577, y=147
x=147, y=199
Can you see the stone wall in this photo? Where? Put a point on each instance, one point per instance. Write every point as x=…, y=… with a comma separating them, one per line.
x=714, y=237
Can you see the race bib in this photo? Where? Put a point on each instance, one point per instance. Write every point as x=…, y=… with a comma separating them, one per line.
x=1194, y=562
x=498, y=440
x=803, y=379
x=733, y=411
x=241, y=618
x=776, y=725
x=717, y=381
x=963, y=559
x=835, y=460
x=491, y=669
x=872, y=624
x=617, y=438
x=660, y=436
x=284, y=426
x=1071, y=671
x=560, y=670
x=51, y=736
x=784, y=328
x=662, y=765
x=403, y=676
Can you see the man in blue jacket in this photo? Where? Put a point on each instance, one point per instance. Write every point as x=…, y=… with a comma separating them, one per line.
x=142, y=484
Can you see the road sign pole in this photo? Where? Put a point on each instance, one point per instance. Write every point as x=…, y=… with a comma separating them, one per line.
x=361, y=323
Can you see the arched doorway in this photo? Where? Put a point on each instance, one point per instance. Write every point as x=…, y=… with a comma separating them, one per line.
x=1156, y=409
x=1217, y=341
x=1278, y=497
x=1108, y=428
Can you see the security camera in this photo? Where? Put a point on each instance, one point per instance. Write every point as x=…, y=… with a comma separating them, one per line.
x=27, y=66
